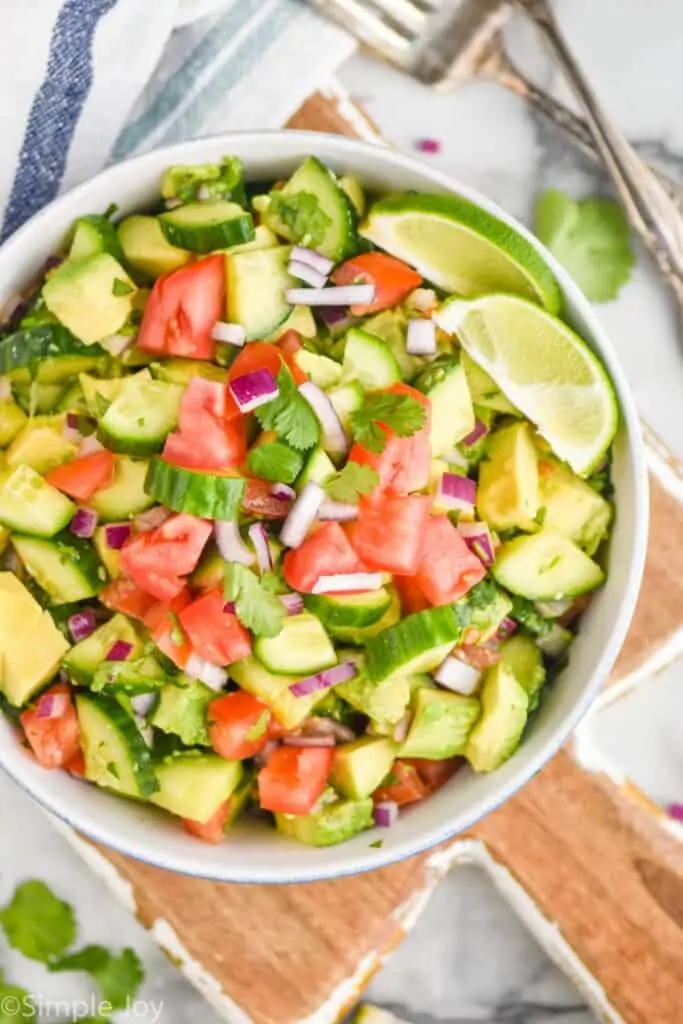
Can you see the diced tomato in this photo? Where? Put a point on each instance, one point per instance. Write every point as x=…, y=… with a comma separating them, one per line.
x=393, y=280
x=76, y=766
x=239, y=725
x=294, y=779
x=56, y=742
x=325, y=552
x=403, y=465
x=81, y=478
x=448, y=568
x=262, y=355
x=182, y=310
x=157, y=560
x=389, y=532
x=124, y=596
x=209, y=436
x=290, y=343
x=158, y=612
x=260, y=502
x=215, y=635
x=411, y=597
x=434, y=774
x=405, y=786
x=161, y=622
x=210, y=831
x=480, y=656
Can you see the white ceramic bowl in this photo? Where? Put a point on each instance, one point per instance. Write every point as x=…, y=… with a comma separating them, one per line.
x=257, y=854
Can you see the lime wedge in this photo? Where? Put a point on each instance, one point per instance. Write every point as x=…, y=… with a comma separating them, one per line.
x=461, y=248
x=544, y=368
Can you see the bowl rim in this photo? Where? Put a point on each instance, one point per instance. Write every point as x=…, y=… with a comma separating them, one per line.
x=359, y=862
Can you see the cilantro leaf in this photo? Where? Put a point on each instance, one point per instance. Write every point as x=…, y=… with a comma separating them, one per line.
x=399, y=413
x=524, y=612
x=290, y=415
x=275, y=461
x=302, y=214
x=257, y=608
x=273, y=582
x=118, y=975
x=589, y=237
x=351, y=482
x=259, y=728
x=120, y=288
x=16, y=1004
x=37, y=923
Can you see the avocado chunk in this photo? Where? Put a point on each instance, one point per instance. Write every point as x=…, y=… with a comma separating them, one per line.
x=359, y=767
x=31, y=646
x=333, y=823
x=86, y=657
x=42, y=444
x=523, y=658
x=99, y=394
x=110, y=557
x=507, y=495
x=489, y=605
x=571, y=507
x=497, y=734
x=182, y=711
x=445, y=384
x=146, y=248
x=89, y=297
x=273, y=690
x=545, y=567
x=384, y=703
x=12, y=419
x=441, y=724
x=194, y=785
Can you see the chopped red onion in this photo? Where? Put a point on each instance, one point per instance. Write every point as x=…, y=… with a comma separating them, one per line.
x=52, y=705
x=302, y=515
x=151, y=519
x=10, y=306
x=116, y=344
x=89, y=445
x=386, y=814
x=458, y=493
x=305, y=272
x=675, y=811
x=116, y=535
x=142, y=703
x=229, y=607
x=5, y=389
x=325, y=679
x=70, y=432
x=283, y=491
x=254, y=389
x=421, y=337
x=346, y=295
x=265, y=755
x=83, y=523
x=314, y=259
x=335, y=316
x=337, y=511
x=402, y=728
x=230, y=545
x=349, y=582
x=478, y=538
x=458, y=676
x=82, y=624
x=294, y=603
x=309, y=741
x=259, y=538
x=211, y=675
x=506, y=628
x=230, y=334
x=480, y=430
x=120, y=651
x=334, y=438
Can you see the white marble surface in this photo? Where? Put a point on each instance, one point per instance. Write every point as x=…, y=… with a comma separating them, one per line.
x=469, y=959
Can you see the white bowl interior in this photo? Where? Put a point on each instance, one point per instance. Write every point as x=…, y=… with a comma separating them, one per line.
x=255, y=853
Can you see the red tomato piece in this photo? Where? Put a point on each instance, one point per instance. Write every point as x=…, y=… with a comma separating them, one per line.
x=215, y=635
x=325, y=552
x=209, y=435
x=182, y=310
x=294, y=779
x=393, y=280
x=124, y=596
x=411, y=597
x=448, y=568
x=56, y=742
x=434, y=774
x=158, y=613
x=162, y=624
x=239, y=725
x=260, y=502
x=210, y=831
x=403, y=465
x=405, y=787
x=262, y=355
x=76, y=766
x=389, y=532
x=157, y=560
x=81, y=478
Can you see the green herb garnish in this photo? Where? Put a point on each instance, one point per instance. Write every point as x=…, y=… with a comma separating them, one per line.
x=351, y=482
x=290, y=415
x=401, y=414
x=256, y=607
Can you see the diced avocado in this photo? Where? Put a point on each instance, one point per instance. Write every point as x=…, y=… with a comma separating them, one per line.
x=319, y=469
x=182, y=711
x=182, y=371
x=334, y=823
x=369, y=360
x=241, y=795
x=195, y=785
x=146, y=248
x=359, y=767
x=445, y=384
x=301, y=320
x=522, y=657
x=571, y=507
x=392, y=327
x=545, y=567
x=322, y=370
x=441, y=724
x=507, y=495
x=42, y=444
x=210, y=570
x=384, y=703
x=359, y=635
x=274, y=691
x=31, y=646
x=32, y=505
x=88, y=296
x=484, y=390
x=497, y=734
x=86, y=657
x=556, y=641
x=12, y=419
x=489, y=605
x=125, y=497
x=110, y=557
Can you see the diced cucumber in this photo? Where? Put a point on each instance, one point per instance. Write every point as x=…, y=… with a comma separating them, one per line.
x=256, y=286
x=355, y=610
x=30, y=504
x=12, y=419
x=31, y=646
x=48, y=354
x=418, y=643
x=264, y=238
x=323, y=371
x=302, y=647
x=182, y=371
x=203, y=227
x=99, y=394
x=346, y=400
x=42, y=445
x=66, y=567
x=85, y=658
x=497, y=734
x=141, y=417
x=37, y=398
x=73, y=400
x=334, y=823
x=359, y=635
x=89, y=297
x=195, y=785
x=125, y=496
x=128, y=678
x=146, y=248
x=391, y=325
x=441, y=723
x=445, y=384
x=110, y=557
x=369, y=360
x=273, y=690
x=201, y=494
x=94, y=233
x=523, y=658
x=116, y=755
x=318, y=469
x=546, y=567
x=489, y=605
x=354, y=191
x=359, y=767
x=181, y=711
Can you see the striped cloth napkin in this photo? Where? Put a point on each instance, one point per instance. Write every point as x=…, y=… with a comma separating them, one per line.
x=95, y=81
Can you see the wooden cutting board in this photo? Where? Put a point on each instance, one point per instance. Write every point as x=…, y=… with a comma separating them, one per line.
x=590, y=864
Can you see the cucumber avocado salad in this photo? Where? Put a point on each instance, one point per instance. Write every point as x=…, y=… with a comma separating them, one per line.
x=302, y=494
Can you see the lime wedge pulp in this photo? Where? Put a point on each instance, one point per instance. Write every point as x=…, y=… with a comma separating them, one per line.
x=461, y=248
x=544, y=368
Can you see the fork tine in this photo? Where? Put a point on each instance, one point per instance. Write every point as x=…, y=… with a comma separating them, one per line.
x=365, y=20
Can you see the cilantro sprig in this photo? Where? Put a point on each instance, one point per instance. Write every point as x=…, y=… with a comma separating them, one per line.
x=290, y=415
x=302, y=214
x=351, y=482
x=117, y=975
x=256, y=606
x=401, y=414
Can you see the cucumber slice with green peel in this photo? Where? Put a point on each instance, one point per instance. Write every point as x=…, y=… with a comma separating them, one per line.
x=116, y=755
x=125, y=496
x=319, y=469
x=48, y=354
x=73, y=400
x=452, y=414
x=347, y=399
x=322, y=370
x=546, y=567
x=301, y=320
x=65, y=567
x=35, y=398
x=32, y=505
x=301, y=648
x=200, y=494
x=41, y=444
x=182, y=371
x=504, y=710
x=94, y=233
x=194, y=785
x=354, y=610
x=141, y=417
x=441, y=724
x=256, y=285
x=203, y=227
x=391, y=325
x=147, y=249
x=83, y=660
x=12, y=420
x=129, y=678
x=273, y=689
x=334, y=823
x=369, y=360
x=92, y=297
x=100, y=393
x=359, y=635
x=418, y=643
